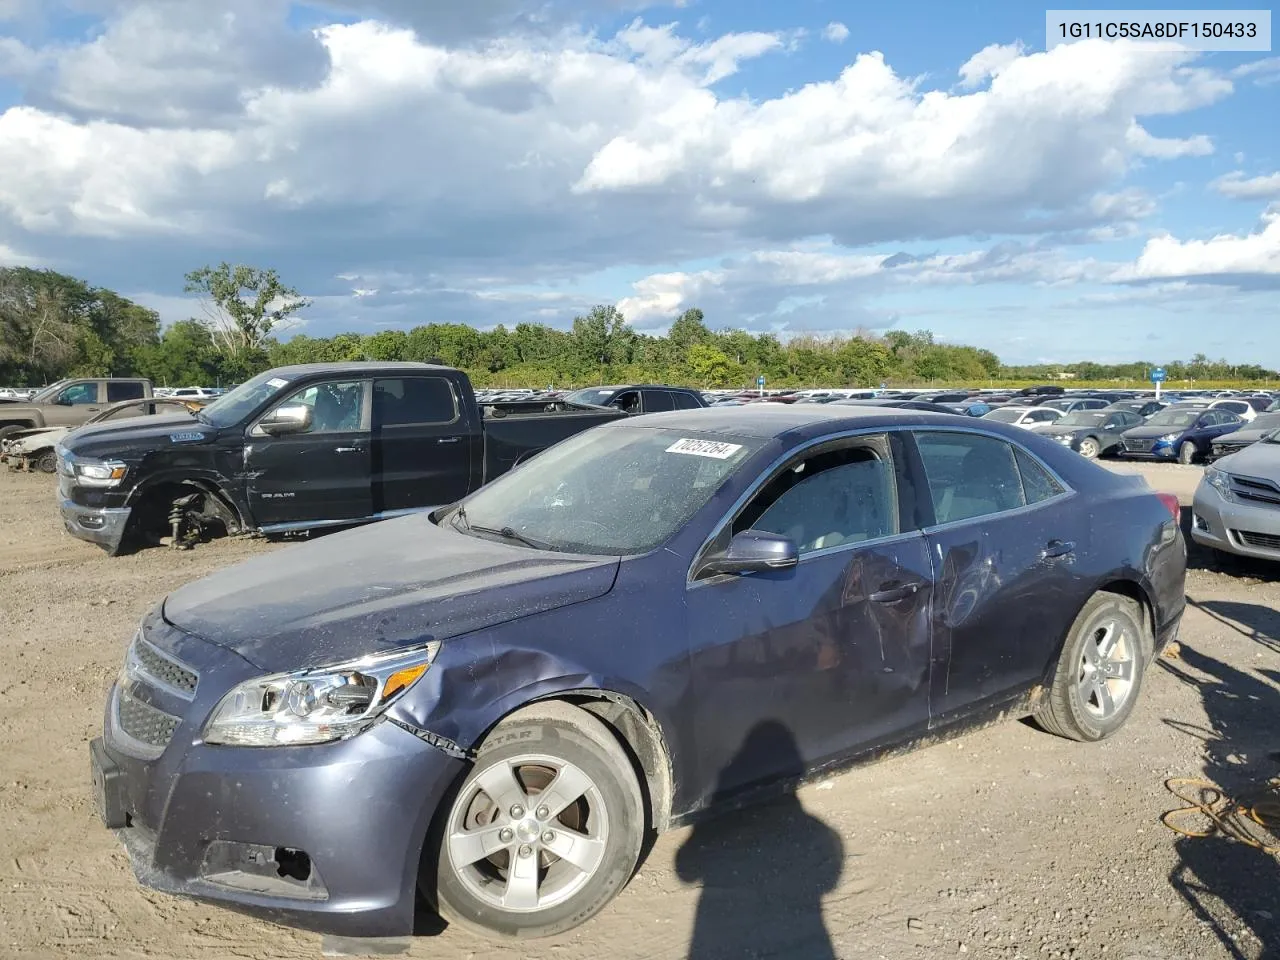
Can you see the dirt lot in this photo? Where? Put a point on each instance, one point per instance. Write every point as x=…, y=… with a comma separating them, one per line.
x=1007, y=843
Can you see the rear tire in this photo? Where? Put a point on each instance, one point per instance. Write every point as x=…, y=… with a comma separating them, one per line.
x=578, y=850
x=1187, y=453
x=1099, y=674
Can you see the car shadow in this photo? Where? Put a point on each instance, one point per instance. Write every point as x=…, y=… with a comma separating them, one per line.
x=1229, y=885
x=764, y=869
x=1215, y=561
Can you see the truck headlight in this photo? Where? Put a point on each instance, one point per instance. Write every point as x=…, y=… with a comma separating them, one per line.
x=105, y=473
x=316, y=706
x=1221, y=482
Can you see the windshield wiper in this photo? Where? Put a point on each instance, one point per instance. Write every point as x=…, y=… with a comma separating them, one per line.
x=506, y=533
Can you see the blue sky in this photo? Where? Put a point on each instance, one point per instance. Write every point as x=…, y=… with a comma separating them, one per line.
x=817, y=166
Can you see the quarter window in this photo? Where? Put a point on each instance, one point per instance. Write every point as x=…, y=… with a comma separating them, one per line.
x=969, y=475
x=829, y=499
x=1037, y=483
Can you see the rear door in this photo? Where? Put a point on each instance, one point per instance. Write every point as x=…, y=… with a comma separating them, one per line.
x=1003, y=537
x=127, y=390
x=425, y=443
x=322, y=474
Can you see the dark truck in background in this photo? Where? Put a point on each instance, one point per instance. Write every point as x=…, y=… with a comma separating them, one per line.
x=301, y=448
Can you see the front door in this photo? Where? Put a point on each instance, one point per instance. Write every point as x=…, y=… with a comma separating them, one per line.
x=74, y=404
x=425, y=446
x=322, y=474
x=836, y=649
x=1004, y=539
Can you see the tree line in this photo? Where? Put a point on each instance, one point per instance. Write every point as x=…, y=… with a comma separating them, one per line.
x=53, y=326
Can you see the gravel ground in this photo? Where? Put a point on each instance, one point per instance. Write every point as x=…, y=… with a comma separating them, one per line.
x=1005, y=843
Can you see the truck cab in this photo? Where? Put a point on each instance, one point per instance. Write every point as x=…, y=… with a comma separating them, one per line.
x=69, y=403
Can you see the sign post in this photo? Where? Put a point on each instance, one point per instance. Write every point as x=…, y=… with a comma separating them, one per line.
x=1157, y=377
x=760, y=384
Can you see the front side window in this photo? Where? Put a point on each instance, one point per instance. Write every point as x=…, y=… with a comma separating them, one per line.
x=335, y=407
x=830, y=499
x=614, y=491
x=969, y=475
x=78, y=394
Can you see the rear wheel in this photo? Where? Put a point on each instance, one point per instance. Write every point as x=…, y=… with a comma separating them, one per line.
x=1100, y=670
x=1187, y=452
x=545, y=830
x=1089, y=448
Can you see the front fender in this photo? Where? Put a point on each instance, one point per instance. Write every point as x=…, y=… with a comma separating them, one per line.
x=208, y=480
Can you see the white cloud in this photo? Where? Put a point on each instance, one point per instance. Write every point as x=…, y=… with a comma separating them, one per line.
x=1235, y=257
x=989, y=62
x=1263, y=72
x=836, y=32
x=1238, y=187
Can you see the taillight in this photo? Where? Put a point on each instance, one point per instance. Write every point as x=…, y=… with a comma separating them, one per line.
x=1170, y=501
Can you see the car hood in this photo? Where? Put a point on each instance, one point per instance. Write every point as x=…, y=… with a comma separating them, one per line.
x=1053, y=430
x=392, y=584
x=133, y=435
x=1257, y=460
x=38, y=439
x=1148, y=432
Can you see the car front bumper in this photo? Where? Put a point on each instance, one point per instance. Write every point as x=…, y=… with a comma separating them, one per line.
x=104, y=526
x=325, y=837
x=1244, y=529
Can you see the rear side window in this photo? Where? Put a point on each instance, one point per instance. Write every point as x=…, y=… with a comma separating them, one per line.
x=969, y=475
x=686, y=401
x=413, y=400
x=656, y=401
x=1037, y=483
x=125, y=391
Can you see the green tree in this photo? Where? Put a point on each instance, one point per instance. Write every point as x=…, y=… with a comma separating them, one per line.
x=243, y=306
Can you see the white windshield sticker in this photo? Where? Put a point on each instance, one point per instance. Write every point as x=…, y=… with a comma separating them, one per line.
x=277, y=382
x=705, y=448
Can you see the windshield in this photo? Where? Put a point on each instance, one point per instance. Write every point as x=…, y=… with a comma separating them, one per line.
x=1006, y=415
x=233, y=407
x=598, y=396
x=1080, y=419
x=616, y=491
x=49, y=393
x=1174, y=418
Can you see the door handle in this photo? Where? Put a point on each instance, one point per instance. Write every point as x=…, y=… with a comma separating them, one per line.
x=356, y=449
x=1057, y=548
x=449, y=440
x=892, y=594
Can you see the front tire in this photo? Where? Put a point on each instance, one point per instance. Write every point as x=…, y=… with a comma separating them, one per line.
x=1089, y=448
x=1099, y=673
x=1187, y=453
x=544, y=831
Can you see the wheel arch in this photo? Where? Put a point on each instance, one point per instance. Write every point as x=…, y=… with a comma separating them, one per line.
x=176, y=484
x=1119, y=586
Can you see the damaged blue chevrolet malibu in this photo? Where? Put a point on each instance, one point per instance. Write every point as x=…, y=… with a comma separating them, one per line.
x=493, y=704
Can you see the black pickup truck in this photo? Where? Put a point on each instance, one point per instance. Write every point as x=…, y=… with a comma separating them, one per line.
x=300, y=448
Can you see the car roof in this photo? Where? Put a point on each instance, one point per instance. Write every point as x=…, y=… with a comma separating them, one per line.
x=773, y=420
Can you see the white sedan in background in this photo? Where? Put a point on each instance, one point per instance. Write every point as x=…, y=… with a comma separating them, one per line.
x=1025, y=417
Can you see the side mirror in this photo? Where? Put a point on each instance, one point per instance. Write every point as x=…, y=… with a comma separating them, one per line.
x=752, y=551
x=293, y=418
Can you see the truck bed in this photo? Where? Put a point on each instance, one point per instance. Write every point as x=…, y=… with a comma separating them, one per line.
x=516, y=430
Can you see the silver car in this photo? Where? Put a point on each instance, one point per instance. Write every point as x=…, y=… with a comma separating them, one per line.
x=1237, y=505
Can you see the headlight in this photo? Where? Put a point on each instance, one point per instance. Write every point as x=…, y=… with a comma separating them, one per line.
x=316, y=706
x=106, y=473
x=1065, y=438
x=1170, y=437
x=1221, y=482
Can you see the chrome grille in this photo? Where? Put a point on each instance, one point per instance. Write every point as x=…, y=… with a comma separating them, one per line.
x=148, y=663
x=145, y=723
x=1256, y=489
x=1139, y=446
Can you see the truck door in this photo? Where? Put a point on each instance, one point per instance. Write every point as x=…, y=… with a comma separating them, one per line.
x=425, y=443
x=74, y=404
x=319, y=473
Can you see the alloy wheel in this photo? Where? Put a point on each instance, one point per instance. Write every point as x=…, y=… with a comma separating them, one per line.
x=1106, y=673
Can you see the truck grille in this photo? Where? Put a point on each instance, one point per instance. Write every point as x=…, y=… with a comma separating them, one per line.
x=1256, y=489
x=148, y=663
x=144, y=722
x=1266, y=541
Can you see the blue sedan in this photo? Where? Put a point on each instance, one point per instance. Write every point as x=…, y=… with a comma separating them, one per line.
x=1184, y=434
x=496, y=703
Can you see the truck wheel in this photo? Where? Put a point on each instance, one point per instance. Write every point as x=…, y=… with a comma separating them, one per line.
x=47, y=462
x=1187, y=453
x=1089, y=448
x=1099, y=673
x=545, y=830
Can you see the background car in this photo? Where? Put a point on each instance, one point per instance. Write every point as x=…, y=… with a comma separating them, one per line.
x=899, y=404
x=1072, y=404
x=1184, y=433
x=1236, y=508
x=1091, y=433
x=641, y=398
x=1244, y=407
x=1249, y=434
x=1026, y=417
x=1143, y=408
x=971, y=408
